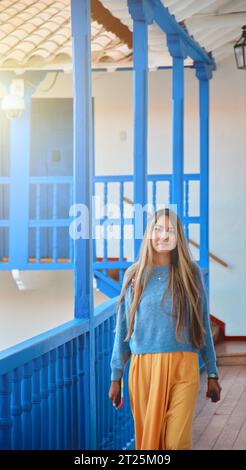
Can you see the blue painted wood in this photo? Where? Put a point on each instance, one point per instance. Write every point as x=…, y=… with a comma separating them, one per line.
x=68, y=395
x=71, y=254
x=104, y=385
x=141, y=19
x=82, y=137
x=82, y=402
x=5, y=418
x=19, y=172
x=16, y=409
x=83, y=171
x=54, y=216
x=169, y=25
x=111, y=436
x=60, y=398
x=100, y=389
x=36, y=266
x=106, y=359
x=175, y=47
x=105, y=228
x=38, y=223
x=36, y=404
x=121, y=257
x=44, y=402
x=52, y=399
x=87, y=390
x=27, y=406
x=42, y=391
x=33, y=348
x=74, y=422
x=97, y=372
x=186, y=207
x=154, y=194
x=203, y=74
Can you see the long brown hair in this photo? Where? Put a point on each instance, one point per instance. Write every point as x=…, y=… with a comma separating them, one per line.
x=184, y=282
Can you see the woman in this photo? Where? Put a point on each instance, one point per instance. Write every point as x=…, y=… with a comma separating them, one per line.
x=162, y=323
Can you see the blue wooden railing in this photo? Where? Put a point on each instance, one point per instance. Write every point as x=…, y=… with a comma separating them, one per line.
x=48, y=241
x=45, y=391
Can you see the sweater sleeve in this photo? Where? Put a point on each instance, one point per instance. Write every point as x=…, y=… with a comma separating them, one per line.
x=208, y=351
x=121, y=349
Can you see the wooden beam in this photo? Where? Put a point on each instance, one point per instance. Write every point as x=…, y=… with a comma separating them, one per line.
x=141, y=19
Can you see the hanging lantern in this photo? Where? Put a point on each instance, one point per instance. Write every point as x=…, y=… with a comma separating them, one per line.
x=240, y=50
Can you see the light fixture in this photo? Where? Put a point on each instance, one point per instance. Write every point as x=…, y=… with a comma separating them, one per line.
x=13, y=104
x=240, y=50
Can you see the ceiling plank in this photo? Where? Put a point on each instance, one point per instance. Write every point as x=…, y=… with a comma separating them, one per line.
x=216, y=43
x=226, y=20
x=192, y=9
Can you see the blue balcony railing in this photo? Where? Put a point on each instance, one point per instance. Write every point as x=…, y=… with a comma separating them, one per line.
x=46, y=384
x=47, y=236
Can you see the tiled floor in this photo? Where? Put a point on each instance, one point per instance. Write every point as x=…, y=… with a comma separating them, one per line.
x=222, y=425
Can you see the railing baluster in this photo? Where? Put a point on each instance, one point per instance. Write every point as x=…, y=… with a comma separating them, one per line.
x=38, y=398
x=98, y=385
x=102, y=380
x=74, y=395
x=5, y=417
x=36, y=404
x=154, y=194
x=68, y=395
x=70, y=238
x=121, y=273
x=16, y=409
x=52, y=399
x=54, y=228
x=170, y=191
x=81, y=391
x=86, y=368
x=44, y=402
x=38, y=219
x=111, y=340
x=106, y=362
x=186, y=204
x=27, y=406
x=60, y=398
x=105, y=226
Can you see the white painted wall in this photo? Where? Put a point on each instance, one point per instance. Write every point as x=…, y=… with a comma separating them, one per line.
x=113, y=145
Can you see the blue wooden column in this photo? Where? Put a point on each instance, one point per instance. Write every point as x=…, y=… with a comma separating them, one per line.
x=177, y=52
x=20, y=148
x=204, y=73
x=83, y=172
x=20, y=141
x=142, y=16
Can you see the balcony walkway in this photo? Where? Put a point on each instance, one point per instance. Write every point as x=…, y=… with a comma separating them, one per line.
x=222, y=425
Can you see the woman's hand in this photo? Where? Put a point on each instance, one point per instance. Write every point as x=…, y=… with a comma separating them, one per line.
x=115, y=392
x=133, y=282
x=213, y=386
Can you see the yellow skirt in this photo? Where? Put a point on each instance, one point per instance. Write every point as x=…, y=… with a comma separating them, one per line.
x=163, y=389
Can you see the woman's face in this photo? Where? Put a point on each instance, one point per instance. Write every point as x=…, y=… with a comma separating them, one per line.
x=163, y=235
